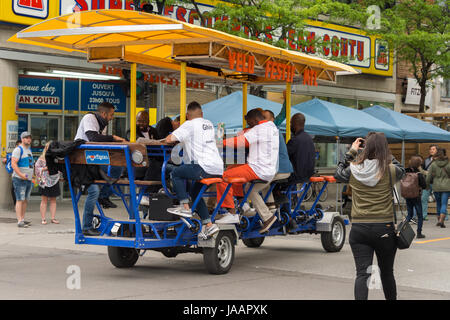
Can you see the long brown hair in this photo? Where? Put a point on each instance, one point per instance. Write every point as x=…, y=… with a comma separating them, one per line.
x=376, y=147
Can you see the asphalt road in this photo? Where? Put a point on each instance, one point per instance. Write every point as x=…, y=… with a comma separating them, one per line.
x=42, y=262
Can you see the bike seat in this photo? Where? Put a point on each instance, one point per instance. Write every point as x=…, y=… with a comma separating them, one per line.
x=209, y=181
x=317, y=179
x=235, y=180
x=330, y=179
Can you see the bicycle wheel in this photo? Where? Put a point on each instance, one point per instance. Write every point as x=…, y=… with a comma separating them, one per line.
x=324, y=195
x=310, y=192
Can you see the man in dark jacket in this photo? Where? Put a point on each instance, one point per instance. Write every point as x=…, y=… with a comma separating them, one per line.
x=92, y=128
x=143, y=129
x=301, y=150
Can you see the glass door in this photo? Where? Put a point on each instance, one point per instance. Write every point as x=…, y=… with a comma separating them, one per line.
x=43, y=129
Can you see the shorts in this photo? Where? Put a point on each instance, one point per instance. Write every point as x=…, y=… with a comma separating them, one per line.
x=22, y=189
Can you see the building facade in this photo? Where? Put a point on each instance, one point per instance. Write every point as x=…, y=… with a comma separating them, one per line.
x=47, y=91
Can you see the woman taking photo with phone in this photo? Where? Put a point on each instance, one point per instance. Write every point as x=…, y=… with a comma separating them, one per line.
x=371, y=172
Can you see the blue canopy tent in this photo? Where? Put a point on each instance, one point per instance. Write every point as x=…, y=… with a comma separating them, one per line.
x=229, y=110
x=412, y=129
x=348, y=122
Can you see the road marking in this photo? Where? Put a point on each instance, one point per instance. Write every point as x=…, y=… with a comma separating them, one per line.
x=434, y=240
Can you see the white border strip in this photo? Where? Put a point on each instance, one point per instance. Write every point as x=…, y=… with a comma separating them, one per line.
x=99, y=30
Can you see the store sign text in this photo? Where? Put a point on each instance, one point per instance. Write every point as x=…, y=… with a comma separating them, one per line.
x=39, y=100
x=280, y=71
x=241, y=62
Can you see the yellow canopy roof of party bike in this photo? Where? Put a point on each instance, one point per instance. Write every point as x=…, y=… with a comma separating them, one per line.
x=160, y=43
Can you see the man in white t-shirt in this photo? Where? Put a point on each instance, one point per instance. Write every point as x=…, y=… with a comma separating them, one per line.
x=22, y=176
x=201, y=160
x=262, y=139
x=93, y=128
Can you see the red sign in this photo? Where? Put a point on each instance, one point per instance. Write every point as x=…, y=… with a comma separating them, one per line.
x=280, y=71
x=155, y=78
x=241, y=62
x=310, y=77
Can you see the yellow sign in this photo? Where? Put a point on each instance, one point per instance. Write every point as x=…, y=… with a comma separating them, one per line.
x=366, y=53
x=28, y=12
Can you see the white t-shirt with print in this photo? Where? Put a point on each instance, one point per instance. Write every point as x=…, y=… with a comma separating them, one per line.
x=88, y=123
x=263, y=152
x=199, y=145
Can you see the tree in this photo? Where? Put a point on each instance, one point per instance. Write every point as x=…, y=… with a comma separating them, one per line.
x=419, y=33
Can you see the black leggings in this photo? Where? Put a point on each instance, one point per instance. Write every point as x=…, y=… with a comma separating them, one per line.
x=365, y=239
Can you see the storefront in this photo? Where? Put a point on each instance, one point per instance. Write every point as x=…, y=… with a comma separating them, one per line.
x=35, y=98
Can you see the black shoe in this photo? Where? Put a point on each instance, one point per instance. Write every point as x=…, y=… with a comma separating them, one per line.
x=292, y=226
x=280, y=198
x=443, y=225
x=110, y=203
x=91, y=232
x=420, y=236
x=103, y=203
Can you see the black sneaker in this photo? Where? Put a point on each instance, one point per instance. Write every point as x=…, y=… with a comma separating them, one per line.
x=292, y=226
x=443, y=225
x=110, y=203
x=91, y=232
x=420, y=236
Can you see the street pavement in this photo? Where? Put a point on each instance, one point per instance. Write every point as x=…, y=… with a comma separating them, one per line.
x=39, y=262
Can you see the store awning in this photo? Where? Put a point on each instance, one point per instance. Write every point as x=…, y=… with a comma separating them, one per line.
x=158, y=43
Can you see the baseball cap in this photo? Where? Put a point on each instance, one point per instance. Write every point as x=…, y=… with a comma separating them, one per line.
x=25, y=134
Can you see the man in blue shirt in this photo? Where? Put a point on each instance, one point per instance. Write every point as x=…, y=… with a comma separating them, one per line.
x=284, y=164
x=22, y=163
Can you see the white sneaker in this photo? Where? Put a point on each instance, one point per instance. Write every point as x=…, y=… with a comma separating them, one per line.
x=180, y=212
x=145, y=201
x=210, y=231
x=228, y=218
x=248, y=211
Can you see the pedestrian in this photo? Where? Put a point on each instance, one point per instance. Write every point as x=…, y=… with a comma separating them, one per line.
x=22, y=164
x=7, y=162
x=371, y=175
x=427, y=192
x=93, y=128
x=48, y=186
x=439, y=177
x=412, y=185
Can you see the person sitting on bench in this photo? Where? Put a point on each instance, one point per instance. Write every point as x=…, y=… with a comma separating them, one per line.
x=284, y=163
x=201, y=160
x=263, y=142
x=92, y=128
x=153, y=171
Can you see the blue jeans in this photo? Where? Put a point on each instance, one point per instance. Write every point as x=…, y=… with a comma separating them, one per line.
x=441, y=202
x=89, y=206
x=22, y=188
x=179, y=175
x=106, y=190
x=415, y=203
x=425, y=196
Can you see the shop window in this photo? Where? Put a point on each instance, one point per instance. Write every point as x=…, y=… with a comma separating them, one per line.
x=70, y=128
x=119, y=127
x=351, y=103
x=363, y=104
x=445, y=89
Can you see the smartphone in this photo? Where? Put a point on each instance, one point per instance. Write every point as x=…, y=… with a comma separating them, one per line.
x=362, y=143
